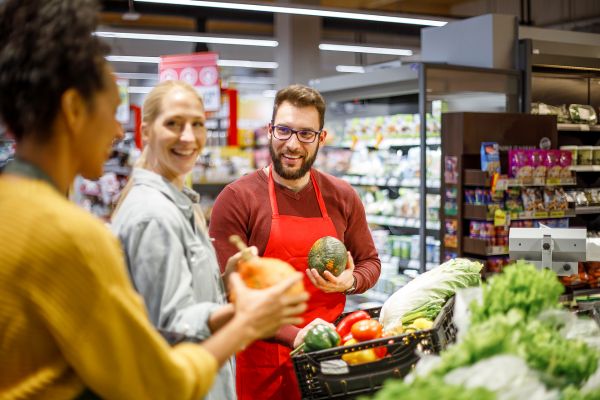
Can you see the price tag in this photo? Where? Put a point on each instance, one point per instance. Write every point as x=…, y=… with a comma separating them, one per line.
x=541, y=214
x=557, y=214
x=500, y=218
x=584, y=127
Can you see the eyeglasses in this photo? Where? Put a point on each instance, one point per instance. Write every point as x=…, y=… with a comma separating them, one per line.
x=282, y=132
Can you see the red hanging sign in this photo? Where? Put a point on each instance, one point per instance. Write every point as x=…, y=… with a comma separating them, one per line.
x=199, y=70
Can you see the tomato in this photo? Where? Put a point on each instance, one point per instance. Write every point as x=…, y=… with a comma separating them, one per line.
x=366, y=330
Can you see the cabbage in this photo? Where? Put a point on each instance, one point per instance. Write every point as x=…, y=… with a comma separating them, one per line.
x=429, y=291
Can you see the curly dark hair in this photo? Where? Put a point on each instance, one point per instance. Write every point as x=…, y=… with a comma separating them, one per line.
x=301, y=96
x=46, y=48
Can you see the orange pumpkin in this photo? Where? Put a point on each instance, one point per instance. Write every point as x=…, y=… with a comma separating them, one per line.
x=262, y=272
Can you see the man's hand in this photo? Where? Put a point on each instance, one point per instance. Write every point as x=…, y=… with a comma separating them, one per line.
x=263, y=312
x=330, y=283
x=300, y=336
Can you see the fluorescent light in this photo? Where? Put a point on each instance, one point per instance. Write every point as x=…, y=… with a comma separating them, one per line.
x=365, y=49
x=350, y=68
x=317, y=12
x=269, y=93
x=135, y=59
x=189, y=38
x=221, y=63
x=140, y=89
x=247, y=64
x=137, y=75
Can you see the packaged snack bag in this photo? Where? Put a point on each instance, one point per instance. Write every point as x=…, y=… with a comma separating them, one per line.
x=536, y=160
x=553, y=167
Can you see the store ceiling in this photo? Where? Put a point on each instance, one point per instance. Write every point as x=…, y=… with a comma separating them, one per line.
x=217, y=21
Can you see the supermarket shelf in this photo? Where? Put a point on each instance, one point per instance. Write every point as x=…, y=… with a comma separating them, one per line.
x=415, y=265
x=389, y=143
x=364, y=180
x=400, y=222
x=481, y=247
x=474, y=177
x=587, y=210
x=480, y=212
x=585, y=168
x=578, y=127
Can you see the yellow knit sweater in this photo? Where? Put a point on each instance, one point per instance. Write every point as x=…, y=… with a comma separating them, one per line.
x=69, y=318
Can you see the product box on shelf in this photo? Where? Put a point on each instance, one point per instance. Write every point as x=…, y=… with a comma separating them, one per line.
x=324, y=375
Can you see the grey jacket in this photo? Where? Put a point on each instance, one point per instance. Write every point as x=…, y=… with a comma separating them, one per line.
x=172, y=263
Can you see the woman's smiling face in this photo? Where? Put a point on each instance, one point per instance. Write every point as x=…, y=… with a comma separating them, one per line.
x=177, y=135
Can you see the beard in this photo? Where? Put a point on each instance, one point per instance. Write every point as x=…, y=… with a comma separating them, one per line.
x=306, y=165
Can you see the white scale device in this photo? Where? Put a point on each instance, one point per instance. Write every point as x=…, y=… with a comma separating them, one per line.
x=558, y=249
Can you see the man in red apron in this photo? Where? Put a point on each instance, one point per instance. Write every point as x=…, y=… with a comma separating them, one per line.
x=282, y=210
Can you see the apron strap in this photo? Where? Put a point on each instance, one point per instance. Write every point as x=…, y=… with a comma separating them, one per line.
x=273, y=199
x=319, y=197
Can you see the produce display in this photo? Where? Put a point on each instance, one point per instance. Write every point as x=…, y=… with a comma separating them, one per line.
x=424, y=296
x=519, y=345
x=328, y=254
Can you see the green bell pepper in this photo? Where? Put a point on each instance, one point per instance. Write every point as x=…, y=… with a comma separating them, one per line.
x=321, y=337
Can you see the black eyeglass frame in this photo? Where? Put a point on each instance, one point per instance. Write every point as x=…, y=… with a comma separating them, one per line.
x=294, y=131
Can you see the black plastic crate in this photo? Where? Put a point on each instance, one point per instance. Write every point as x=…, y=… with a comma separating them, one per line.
x=320, y=376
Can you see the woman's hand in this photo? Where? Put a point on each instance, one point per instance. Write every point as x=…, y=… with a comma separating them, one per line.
x=262, y=312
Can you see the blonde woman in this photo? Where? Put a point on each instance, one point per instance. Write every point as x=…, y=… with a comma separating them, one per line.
x=170, y=257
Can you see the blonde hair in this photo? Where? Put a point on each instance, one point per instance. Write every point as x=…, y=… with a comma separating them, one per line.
x=151, y=109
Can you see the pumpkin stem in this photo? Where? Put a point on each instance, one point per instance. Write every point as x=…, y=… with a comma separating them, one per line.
x=239, y=243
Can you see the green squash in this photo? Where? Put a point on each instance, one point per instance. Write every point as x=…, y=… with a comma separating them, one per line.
x=328, y=254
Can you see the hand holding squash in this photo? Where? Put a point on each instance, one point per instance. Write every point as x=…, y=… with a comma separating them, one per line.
x=330, y=283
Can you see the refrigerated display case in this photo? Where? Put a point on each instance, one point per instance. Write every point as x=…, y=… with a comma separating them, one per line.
x=563, y=79
x=384, y=138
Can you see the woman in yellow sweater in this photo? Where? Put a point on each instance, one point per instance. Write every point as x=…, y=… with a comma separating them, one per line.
x=70, y=322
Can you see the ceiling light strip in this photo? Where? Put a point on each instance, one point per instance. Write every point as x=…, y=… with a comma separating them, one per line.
x=247, y=64
x=365, y=49
x=188, y=38
x=137, y=75
x=302, y=11
x=220, y=63
x=350, y=68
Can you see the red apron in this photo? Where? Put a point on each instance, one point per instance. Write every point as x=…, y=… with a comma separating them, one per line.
x=265, y=370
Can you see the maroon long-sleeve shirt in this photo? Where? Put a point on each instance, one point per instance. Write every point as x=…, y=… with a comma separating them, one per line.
x=243, y=208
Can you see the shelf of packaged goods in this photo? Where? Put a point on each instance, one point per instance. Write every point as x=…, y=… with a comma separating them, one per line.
x=578, y=127
x=400, y=222
x=585, y=168
x=477, y=178
x=387, y=143
x=363, y=180
x=480, y=212
x=482, y=248
x=587, y=210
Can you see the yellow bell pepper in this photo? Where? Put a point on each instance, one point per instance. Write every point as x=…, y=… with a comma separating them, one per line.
x=359, y=357
x=422, y=324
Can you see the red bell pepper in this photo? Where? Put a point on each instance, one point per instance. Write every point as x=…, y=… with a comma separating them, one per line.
x=346, y=323
x=366, y=330
x=381, y=351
